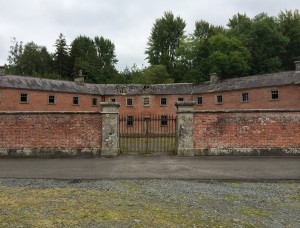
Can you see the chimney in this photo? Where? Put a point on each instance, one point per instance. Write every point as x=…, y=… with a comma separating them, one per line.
x=2, y=70
x=297, y=66
x=79, y=78
x=213, y=78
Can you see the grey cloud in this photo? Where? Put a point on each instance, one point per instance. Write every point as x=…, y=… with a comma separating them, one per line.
x=126, y=23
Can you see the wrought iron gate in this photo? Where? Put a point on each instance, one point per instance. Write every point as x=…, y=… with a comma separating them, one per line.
x=147, y=134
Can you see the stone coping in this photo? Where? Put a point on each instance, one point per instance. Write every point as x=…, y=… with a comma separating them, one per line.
x=246, y=110
x=46, y=112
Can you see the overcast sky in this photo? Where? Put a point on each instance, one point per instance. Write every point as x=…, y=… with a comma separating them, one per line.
x=127, y=23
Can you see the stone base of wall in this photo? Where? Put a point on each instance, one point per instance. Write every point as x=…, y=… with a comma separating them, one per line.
x=186, y=152
x=249, y=151
x=50, y=152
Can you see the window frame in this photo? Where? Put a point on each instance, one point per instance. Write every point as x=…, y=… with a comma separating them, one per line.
x=201, y=100
x=180, y=99
x=271, y=95
x=93, y=103
x=163, y=120
x=78, y=100
x=54, y=99
x=113, y=99
x=166, y=101
x=127, y=100
x=129, y=120
x=148, y=101
x=217, y=99
x=246, y=96
x=27, y=98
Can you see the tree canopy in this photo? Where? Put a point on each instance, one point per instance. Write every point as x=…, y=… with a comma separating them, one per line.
x=246, y=46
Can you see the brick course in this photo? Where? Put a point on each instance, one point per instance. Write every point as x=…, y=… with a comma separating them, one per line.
x=247, y=129
x=50, y=130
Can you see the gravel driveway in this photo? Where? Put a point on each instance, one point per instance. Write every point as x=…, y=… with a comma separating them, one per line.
x=148, y=203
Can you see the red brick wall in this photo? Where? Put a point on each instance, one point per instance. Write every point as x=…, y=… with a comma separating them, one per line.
x=259, y=98
x=50, y=130
x=38, y=101
x=247, y=130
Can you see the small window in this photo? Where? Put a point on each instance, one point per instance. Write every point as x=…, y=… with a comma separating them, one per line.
x=51, y=99
x=245, y=97
x=164, y=120
x=199, y=100
x=112, y=99
x=24, y=98
x=75, y=100
x=219, y=99
x=274, y=95
x=163, y=101
x=129, y=102
x=94, y=101
x=129, y=121
x=146, y=101
x=180, y=99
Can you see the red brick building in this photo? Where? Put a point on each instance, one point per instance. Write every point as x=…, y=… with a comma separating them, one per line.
x=258, y=114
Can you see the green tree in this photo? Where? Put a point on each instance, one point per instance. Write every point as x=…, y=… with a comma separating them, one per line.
x=289, y=23
x=228, y=57
x=106, y=59
x=155, y=74
x=15, y=53
x=164, y=40
x=35, y=60
x=62, y=58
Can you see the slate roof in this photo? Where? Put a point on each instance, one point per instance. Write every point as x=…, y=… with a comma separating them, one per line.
x=256, y=81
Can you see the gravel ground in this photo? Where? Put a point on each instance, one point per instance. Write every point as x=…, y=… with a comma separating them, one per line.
x=147, y=203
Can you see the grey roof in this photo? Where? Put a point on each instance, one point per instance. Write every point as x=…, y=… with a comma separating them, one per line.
x=256, y=81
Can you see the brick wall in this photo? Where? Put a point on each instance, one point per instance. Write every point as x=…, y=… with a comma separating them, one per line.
x=269, y=131
x=42, y=131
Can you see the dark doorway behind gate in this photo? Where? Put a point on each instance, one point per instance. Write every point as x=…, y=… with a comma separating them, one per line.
x=147, y=134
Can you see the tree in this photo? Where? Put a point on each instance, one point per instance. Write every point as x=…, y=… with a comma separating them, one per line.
x=106, y=59
x=164, y=40
x=62, y=57
x=155, y=74
x=15, y=53
x=289, y=23
x=228, y=57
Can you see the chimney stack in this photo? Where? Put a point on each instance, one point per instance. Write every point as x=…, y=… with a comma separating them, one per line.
x=2, y=70
x=213, y=78
x=297, y=66
x=79, y=78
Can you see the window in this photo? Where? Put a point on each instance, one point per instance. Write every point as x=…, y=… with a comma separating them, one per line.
x=146, y=101
x=129, y=121
x=245, y=97
x=199, y=100
x=94, y=101
x=24, y=98
x=75, y=100
x=51, y=99
x=180, y=99
x=163, y=101
x=129, y=102
x=274, y=95
x=112, y=99
x=164, y=120
x=219, y=99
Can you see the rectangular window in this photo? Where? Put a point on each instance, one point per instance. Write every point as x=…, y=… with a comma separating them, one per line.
x=245, y=97
x=24, y=98
x=112, y=99
x=129, y=121
x=146, y=101
x=75, y=100
x=94, y=101
x=180, y=99
x=51, y=99
x=219, y=99
x=163, y=101
x=129, y=102
x=164, y=120
x=274, y=95
x=199, y=100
